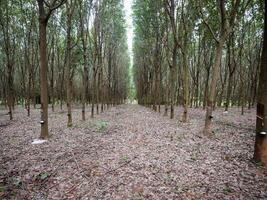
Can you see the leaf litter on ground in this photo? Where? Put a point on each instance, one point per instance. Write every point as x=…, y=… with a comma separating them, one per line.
x=144, y=155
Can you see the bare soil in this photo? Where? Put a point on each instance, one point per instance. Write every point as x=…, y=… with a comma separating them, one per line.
x=130, y=152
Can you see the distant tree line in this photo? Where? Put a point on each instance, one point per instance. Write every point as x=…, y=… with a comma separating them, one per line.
x=197, y=54
x=56, y=52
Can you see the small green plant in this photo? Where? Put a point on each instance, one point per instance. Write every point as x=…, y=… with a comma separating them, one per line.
x=43, y=175
x=194, y=156
x=125, y=158
x=139, y=196
x=101, y=126
x=256, y=163
x=16, y=181
x=227, y=189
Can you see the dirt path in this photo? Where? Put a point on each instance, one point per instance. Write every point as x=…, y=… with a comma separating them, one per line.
x=131, y=152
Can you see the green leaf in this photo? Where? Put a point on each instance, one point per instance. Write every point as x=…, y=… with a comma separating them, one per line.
x=16, y=181
x=125, y=158
x=44, y=175
x=101, y=126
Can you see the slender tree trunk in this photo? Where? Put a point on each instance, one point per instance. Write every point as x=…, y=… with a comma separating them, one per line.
x=242, y=95
x=9, y=51
x=197, y=91
x=98, y=92
x=171, y=12
x=85, y=85
x=241, y=74
x=43, y=77
x=206, y=90
x=101, y=87
x=85, y=69
x=69, y=124
x=186, y=87
x=212, y=92
x=166, y=109
x=52, y=79
x=226, y=27
x=229, y=91
x=173, y=81
x=29, y=92
x=260, y=151
x=230, y=77
x=68, y=66
x=33, y=93
x=10, y=97
x=94, y=92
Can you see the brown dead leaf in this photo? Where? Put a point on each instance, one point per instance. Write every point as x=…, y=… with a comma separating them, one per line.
x=138, y=189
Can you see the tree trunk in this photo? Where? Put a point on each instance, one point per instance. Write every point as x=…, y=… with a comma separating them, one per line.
x=260, y=151
x=52, y=79
x=211, y=97
x=206, y=91
x=186, y=87
x=85, y=85
x=29, y=91
x=33, y=92
x=229, y=91
x=68, y=66
x=43, y=77
x=173, y=81
x=94, y=92
x=85, y=69
x=10, y=97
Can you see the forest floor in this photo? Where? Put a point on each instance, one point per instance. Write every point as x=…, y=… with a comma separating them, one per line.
x=130, y=152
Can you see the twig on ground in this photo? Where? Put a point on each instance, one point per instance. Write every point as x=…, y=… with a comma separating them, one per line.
x=112, y=170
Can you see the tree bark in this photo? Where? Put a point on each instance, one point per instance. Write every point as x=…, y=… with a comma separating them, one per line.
x=211, y=97
x=10, y=97
x=186, y=86
x=85, y=66
x=68, y=64
x=43, y=77
x=226, y=27
x=43, y=20
x=260, y=150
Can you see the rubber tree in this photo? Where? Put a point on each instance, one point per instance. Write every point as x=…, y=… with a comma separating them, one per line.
x=170, y=8
x=227, y=20
x=9, y=49
x=44, y=15
x=260, y=150
x=84, y=14
x=70, y=6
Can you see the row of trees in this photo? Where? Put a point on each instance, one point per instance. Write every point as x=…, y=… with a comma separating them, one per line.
x=63, y=51
x=197, y=53
x=203, y=53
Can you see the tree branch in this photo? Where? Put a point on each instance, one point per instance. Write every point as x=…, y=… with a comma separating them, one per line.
x=234, y=12
x=209, y=27
x=54, y=7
